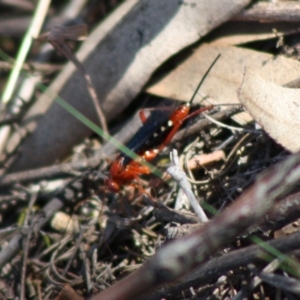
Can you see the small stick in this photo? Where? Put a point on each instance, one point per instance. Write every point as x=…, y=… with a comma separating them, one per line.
x=177, y=173
x=58, y=37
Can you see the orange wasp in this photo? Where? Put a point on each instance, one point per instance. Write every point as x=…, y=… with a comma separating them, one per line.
x=149, y=140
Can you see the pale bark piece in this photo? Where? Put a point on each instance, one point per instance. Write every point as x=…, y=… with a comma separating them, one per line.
x=287, y=11
x=120, y=55
x=226, y=76
x=198, y=161
x=275, y=108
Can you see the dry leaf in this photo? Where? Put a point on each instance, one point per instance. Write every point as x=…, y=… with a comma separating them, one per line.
x=275, y=108
x=239, y=32
x=120, y=55
x=225, y=77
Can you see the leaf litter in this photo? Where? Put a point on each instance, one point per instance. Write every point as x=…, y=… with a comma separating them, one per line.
x=79, y=239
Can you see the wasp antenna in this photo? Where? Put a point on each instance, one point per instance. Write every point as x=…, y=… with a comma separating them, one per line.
x=204, y=77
